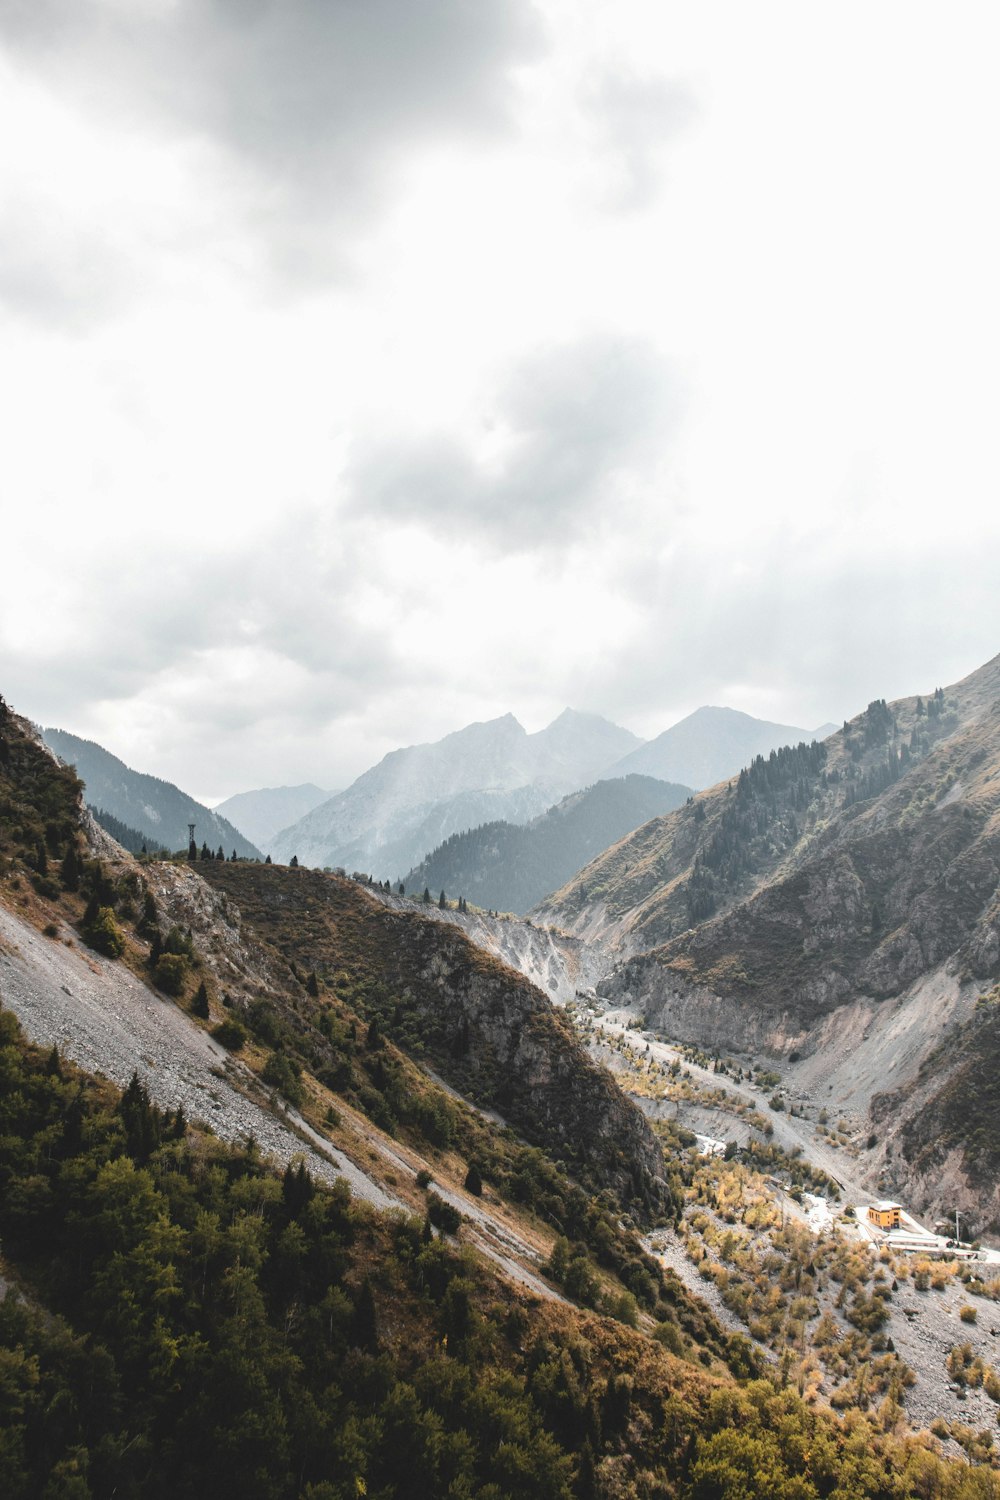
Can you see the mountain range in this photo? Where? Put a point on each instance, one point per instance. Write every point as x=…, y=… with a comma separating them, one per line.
x=416, y=798
x=388, y=819
x=156, y=809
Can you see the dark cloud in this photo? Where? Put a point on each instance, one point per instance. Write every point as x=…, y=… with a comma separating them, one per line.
x=631, y=119
x=578, y=423
x=314, y=99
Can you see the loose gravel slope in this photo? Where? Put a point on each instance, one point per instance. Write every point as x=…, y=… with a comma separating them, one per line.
x=102, y=1017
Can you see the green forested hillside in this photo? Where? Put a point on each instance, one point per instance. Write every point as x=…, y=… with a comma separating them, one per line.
x=510, y=867
x=191, y=1324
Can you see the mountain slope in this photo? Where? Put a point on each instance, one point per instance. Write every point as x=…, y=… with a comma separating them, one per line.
x=182, y=1320
x=153, y=807
x=486, y=1029
x=510, y=866
x=260, y=814
x=867, y=944
x=709, y=745
x=733, y=838
x=196, y=1325
x=381, y=823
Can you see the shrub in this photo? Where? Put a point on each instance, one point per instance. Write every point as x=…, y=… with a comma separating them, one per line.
x=967, y=1314
x=230, y=1033
x=103, y=934
x=170, y=973
x=282, y=1074
x=443, y=1215
x=474, y=1181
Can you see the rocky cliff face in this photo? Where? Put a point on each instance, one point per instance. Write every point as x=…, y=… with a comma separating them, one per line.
x=887, y=891
x=486, y=1029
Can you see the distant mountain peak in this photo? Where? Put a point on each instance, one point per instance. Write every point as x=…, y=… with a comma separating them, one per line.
x=707, y=746
x=414, y=798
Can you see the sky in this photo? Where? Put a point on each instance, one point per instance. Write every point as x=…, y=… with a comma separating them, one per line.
x=370, y=369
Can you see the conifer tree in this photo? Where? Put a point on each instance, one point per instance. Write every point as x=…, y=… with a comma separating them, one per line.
x=442, y=903
x=69, y=870
x=149, y=921
x=312, y=985
x=364, y=1323
x=199, y=1005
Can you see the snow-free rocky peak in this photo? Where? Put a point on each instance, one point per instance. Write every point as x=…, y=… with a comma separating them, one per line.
x=486, y=770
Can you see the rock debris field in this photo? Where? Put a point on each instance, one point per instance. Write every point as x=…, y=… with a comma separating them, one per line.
x=102, y=1017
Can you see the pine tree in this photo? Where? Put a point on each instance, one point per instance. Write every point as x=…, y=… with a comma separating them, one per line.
x=427, y=896
x=473, y=1181
x=364, y=1323
x=402, y=889
x=199, y=1005
x=149, y=921
x=267, y=859
x=442, y=903
x=220, y=854
x=69, y=870
x=293, y=863
x=312, y=985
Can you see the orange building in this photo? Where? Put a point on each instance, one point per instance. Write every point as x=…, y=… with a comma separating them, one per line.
x=885, y=1214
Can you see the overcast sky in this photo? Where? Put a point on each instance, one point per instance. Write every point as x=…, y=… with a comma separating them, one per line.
x=372, y=368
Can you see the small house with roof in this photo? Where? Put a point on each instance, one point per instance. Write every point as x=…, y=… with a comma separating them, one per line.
x=884, y=1215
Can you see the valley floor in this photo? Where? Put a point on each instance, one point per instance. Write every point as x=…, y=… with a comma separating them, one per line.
x=941, y=1318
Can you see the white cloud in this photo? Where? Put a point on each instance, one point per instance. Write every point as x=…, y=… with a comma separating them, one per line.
x=367, y=370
